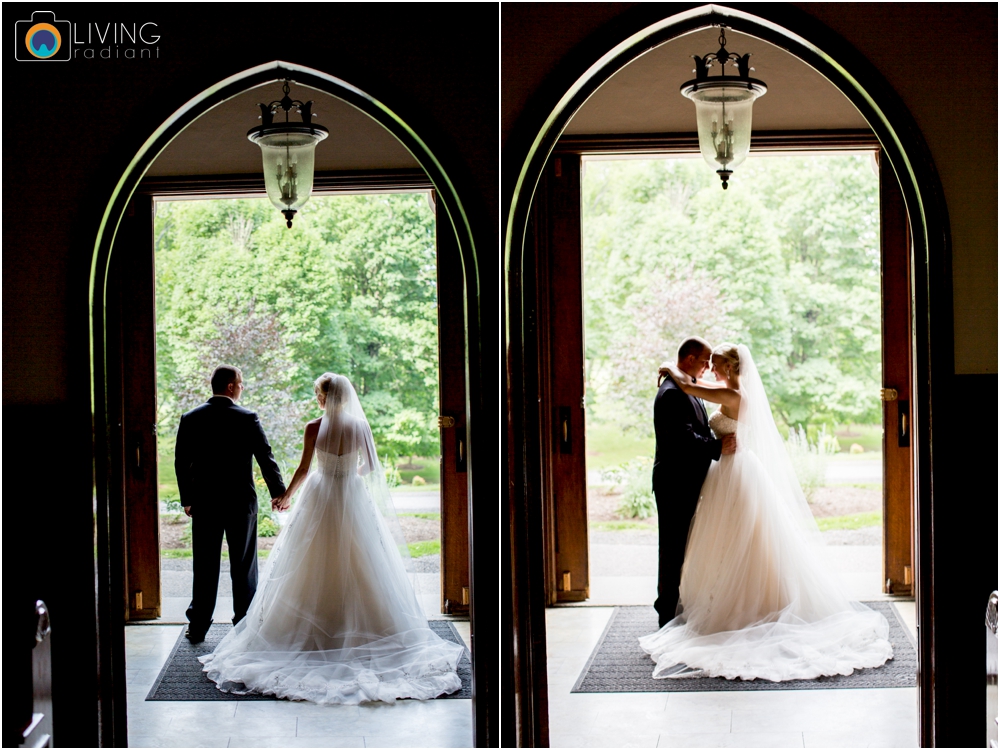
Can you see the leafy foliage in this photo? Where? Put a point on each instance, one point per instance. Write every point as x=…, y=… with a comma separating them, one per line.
x=637, y=492
x=350, y=289
x=785, y=261
x=809, y=458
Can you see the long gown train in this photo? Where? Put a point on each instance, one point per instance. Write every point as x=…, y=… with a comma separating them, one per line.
x=756, y=599
x=336, y=619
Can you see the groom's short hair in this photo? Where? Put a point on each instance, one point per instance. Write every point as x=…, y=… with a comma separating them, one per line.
x=222, y=376
x=693, y=345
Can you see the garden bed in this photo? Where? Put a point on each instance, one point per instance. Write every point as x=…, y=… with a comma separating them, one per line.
x=418, y=529
x=603, y=502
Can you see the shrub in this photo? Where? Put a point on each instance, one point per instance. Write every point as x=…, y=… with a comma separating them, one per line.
x=856, y=448
x=267, y=527
x=635, y=478
x=392, y=477
x=267, y=517
x=419, y=481
x=809, y=458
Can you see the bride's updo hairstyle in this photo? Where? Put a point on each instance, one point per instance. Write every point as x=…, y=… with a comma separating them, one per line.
x=728, y=354
x=332, y=386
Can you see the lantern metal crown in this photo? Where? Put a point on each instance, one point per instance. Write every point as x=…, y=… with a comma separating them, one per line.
x=289, y=152
x=723, y=107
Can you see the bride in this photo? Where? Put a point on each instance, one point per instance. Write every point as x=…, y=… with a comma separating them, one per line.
x=336, y=619
x=756, y=599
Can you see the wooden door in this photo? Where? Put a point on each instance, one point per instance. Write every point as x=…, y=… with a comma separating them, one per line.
x=897, y=368
x=559, y=278
x=132, y=295
x=454, y=452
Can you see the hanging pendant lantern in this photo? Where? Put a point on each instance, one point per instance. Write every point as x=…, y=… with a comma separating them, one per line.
x=289, y=152
x=723, y=107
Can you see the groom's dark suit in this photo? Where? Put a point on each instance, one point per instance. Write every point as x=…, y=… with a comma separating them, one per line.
x=685, y=448
x=216, y=443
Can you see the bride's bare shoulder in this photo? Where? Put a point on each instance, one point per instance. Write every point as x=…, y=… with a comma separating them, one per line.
x=313, y=424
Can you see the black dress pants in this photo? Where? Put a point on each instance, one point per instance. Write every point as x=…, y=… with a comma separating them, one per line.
x=240, y=529
x=675, y=508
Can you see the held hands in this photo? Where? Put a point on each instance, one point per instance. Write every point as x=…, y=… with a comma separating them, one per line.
x=281, y=504
x=187, y=510
x=728, y=444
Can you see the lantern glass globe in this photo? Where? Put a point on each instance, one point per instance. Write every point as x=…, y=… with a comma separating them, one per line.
x=289, y=163
x=724, y=116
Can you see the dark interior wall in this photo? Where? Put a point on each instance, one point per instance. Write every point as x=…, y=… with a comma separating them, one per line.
x=78, y=123
x=72, y=129
x=928, y=53
x=919, y=49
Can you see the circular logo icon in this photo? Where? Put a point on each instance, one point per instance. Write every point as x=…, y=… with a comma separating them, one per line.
x=43, y=40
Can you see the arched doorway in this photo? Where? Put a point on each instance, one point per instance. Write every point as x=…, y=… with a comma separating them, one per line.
x=531, y=144
x=109, y=449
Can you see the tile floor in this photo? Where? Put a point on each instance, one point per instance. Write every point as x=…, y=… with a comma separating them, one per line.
x=787, y=718
x=441, y=723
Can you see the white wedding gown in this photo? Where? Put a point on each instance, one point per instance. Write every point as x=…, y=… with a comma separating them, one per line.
x=335, y=619
x=757, y=600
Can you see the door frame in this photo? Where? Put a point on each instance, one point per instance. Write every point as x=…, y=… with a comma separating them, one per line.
x=140, y=527
x=451, y=189
x=897, y=520
x=529, y=145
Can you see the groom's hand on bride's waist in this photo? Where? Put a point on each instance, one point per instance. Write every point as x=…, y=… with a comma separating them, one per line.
x=728, y=444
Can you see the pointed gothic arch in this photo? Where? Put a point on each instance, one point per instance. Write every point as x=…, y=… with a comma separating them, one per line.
x=456, y=220
x=529, y=146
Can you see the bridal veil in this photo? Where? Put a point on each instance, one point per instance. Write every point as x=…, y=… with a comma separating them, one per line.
x=335, y=619
x=757, y=597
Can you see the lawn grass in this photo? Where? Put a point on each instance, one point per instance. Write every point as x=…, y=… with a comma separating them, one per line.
x=187, y=554
x=431, y=473
x=607, y=446
x=426, y=516
x=167, y=478
x=868, y=436
x=850, y=522
x=853, y=521
x=621, y=526
x=422, y=549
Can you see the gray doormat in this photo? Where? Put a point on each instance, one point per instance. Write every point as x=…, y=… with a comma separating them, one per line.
x=181, y=678
x=619, y=665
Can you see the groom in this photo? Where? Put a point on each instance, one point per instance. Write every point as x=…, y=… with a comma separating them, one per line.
x=216, y=443
x=685, y=448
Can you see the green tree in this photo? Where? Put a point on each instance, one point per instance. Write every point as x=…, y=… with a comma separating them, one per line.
x=785, y=261
x=351, y=289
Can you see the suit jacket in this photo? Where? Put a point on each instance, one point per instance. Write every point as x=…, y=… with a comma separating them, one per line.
x=685, y=446
x=216, y=443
